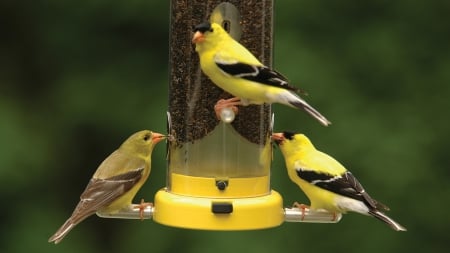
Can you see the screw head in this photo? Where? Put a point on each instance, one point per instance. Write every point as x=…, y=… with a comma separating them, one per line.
x=221, y=185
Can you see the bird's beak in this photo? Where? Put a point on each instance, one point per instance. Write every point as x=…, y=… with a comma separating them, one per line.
x=278, y=138
x=157, y=137
x=198, y=37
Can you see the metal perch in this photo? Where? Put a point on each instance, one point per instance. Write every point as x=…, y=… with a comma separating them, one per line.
x=290, y=215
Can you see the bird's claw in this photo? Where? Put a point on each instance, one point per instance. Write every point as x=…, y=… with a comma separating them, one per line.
x=334, y=216
x=142, y=207
x=301, y=207
x=227, y=103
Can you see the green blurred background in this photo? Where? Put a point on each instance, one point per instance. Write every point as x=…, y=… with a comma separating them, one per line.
x=77, y=78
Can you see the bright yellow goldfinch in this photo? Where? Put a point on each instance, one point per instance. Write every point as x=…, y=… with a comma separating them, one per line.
x=326, y=183
x=116, y=181
x=237, y=71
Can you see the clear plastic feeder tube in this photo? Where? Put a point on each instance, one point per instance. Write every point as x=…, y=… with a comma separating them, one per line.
x=204, y=146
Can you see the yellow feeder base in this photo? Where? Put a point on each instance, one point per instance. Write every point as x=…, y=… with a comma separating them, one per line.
x=218, y=213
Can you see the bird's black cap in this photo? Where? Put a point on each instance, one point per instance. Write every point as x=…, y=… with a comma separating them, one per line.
x=203, y=27
x=288, y=135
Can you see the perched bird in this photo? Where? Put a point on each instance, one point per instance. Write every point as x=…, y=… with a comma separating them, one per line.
x=116, y=181
x=326, y=183
x=237, y=71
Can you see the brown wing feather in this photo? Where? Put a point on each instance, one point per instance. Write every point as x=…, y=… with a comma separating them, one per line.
x=99, y=193
x=102, y=192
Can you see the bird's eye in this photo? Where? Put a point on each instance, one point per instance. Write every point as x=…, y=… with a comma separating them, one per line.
x=147, y=137
x=211, y=30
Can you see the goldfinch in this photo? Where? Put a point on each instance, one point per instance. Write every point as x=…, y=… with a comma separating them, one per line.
x=116, y=181
x=237, y=71
x=326, y=183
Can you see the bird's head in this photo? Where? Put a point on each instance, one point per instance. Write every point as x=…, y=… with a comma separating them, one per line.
x=201, y=31
x=142, y=142
x=290, y=141
x=281, y=138
x=207, y=34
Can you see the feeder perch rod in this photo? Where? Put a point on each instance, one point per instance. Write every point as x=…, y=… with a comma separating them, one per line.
x=290, y=215
x=310, y=216
x=131, y=213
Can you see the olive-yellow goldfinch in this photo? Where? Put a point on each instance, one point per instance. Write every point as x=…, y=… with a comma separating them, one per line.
x=116, y=181
x=237, y=71
x=326, y=183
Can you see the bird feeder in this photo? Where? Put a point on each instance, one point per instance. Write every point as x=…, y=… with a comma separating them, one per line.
x=218, y=169
x=218, y=175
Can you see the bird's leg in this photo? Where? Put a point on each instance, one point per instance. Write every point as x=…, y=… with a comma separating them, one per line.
x=334, y=216
x=142, y=207
x=227, y=103
x=301, y=207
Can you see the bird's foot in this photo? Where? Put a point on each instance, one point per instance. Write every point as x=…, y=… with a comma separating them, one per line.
x=334, y=216
x=142, y=207
x=301, y=207
x=227, y=103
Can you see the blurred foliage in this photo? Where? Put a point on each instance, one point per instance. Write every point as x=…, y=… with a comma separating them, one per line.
x=78, y=77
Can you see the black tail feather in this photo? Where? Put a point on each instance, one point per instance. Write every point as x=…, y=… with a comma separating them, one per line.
x=384, y=218
x=311, y=111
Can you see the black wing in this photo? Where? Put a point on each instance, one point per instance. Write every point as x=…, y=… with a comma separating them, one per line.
x=346, y=185
x=260, y=74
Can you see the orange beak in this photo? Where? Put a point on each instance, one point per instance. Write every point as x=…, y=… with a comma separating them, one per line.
x=157, y=137
x=198, y=37
x=278, y=137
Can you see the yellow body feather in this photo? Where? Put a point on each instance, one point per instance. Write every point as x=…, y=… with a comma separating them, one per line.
x=236, y=70
x=220, y=47
x=301, y=153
